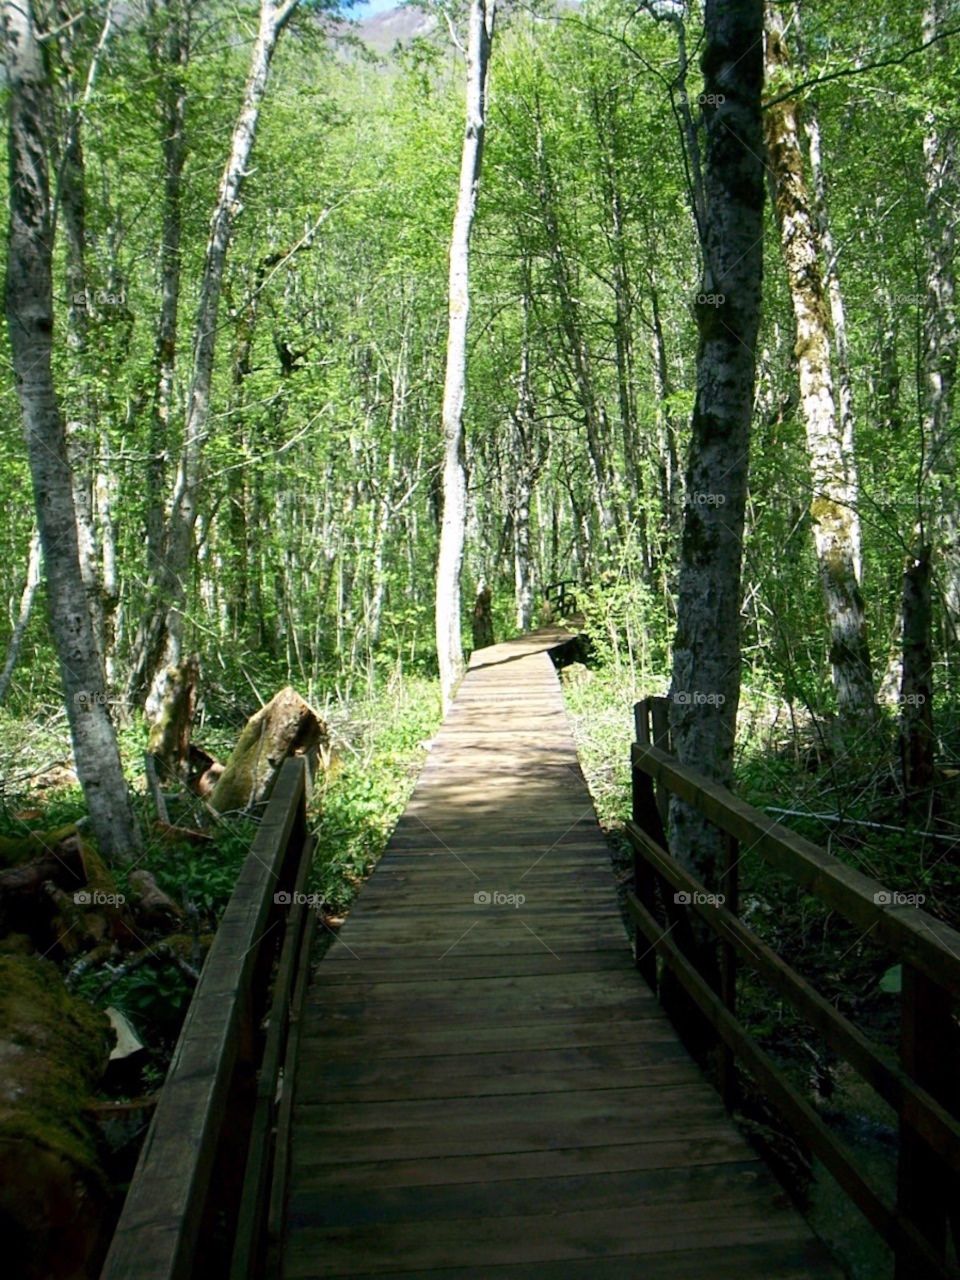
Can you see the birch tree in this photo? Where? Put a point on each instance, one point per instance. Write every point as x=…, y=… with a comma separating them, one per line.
x=481, y=21
x=30, y=320
x=160, y=641
x=836, y=522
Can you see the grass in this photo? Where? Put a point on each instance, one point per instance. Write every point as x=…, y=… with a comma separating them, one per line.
x=378, y=748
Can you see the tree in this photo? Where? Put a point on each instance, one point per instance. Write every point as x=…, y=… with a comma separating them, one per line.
x=161, y=640
x=833, y=510
x=481, y=21
x=29, y=308
x=705, y=688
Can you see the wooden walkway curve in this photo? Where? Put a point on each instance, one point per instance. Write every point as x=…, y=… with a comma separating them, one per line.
x=486, y=1089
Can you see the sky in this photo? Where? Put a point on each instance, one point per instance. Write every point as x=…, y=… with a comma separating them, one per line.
x=370, y=7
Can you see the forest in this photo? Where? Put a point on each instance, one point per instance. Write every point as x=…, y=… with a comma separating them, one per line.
x=339, y=342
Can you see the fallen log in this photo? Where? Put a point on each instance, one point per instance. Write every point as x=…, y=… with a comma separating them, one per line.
x=60, y=863
x=286, y=726
x=53, y=1194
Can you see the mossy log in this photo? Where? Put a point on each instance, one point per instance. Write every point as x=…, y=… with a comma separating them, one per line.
x=15, y=850
x=53, y=1194
x=286, y=726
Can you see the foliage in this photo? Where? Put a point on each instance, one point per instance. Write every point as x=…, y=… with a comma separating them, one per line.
x=378, y=744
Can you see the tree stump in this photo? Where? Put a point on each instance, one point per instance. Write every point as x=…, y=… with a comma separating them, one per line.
x=171, y=710
x=483, y=617
x=286, y=726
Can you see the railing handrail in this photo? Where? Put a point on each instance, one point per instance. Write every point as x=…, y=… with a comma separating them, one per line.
x=921, y=1087
x=909, y=931
x=167, y=1204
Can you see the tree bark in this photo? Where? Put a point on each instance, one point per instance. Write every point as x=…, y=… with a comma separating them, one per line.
x=835, y=523
x=705, y=687
x=481, y=20
x=29, y=305
x=169, y=56
x=916, y=686
x=524, y=465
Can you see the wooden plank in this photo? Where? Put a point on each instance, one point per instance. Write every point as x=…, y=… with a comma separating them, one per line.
x=779, y=1259
x=534, y=1239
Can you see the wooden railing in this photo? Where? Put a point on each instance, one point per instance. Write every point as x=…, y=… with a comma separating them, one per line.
x=673, y=909
x=561, y=597
x=206, y=1196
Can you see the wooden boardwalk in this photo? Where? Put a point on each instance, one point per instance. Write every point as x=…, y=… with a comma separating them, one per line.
x=486, y=1088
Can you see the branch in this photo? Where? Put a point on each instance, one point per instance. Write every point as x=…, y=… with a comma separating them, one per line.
x=846, y=72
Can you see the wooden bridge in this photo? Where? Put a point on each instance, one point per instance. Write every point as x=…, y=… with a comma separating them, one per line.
x=476, y=1082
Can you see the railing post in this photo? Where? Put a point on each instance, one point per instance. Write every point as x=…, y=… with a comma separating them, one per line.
x=729, y=888
x=660, y=720
x=645, y=815
x=928, y=1053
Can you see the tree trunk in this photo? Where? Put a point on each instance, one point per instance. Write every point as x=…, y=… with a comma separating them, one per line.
x=483, y=617
x=169, y=56
x=82, y=408
x=453, y=526
x=705, y=687
x=941, y=333
x=54, y=1047
x=524, y=465
x=841, y=341
x=31, y=586
x=161, y=641
x=916, y=686
x=835, y=523
x=29, y=305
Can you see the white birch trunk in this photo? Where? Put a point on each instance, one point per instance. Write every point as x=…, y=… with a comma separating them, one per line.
x=162, y=645
x=941, y=338
x=453, y=525
x=31, y=586
x=29, y=305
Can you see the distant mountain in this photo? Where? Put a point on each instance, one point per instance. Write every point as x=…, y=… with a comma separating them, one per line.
x=384, y=30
